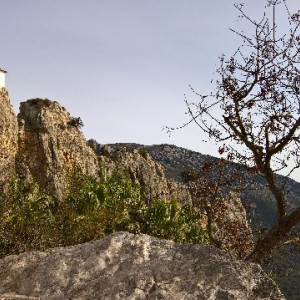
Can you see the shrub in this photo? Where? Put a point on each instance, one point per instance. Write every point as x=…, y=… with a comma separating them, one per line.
x=27, y=218
x=32, y=220
x=143, y=152
x=75, y=122
x=171, y=220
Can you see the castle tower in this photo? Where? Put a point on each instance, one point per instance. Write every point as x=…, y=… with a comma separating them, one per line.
x=2, y=78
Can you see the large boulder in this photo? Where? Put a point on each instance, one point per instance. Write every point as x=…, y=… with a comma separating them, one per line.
x=128, y=266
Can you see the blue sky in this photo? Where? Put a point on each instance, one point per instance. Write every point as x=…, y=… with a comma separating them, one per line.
x=123, y=66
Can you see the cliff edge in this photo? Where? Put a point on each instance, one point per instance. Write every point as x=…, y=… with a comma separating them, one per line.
x=8, y=136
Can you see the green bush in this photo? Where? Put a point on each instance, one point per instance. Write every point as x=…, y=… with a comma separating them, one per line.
x=33, y=220
x=27, y=218
x=170, y=220
x=143, y=152
x=75, y=122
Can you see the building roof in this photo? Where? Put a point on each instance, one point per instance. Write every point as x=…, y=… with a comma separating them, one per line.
x=3, y=71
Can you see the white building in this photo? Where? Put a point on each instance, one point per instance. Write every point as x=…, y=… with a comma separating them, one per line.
x=2, y=78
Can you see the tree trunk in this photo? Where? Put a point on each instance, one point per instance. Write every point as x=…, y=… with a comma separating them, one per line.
x=274, y=237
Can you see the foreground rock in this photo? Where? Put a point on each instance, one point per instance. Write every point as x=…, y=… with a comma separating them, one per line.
x=127, y=266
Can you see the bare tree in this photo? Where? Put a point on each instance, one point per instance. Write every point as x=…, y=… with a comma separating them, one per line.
x=254, y=113
x=216, y=191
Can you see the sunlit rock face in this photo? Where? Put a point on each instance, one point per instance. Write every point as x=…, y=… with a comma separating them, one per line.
x=51, y=146
x=128, y=266
x=8, y=136
x=142, y=170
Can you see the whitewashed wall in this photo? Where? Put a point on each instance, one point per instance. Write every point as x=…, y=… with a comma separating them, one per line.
x=2, y=79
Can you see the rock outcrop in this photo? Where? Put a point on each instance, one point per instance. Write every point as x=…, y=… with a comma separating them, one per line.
x=229, y=221
x=8, y=136
x=51, y=146
x=143, y=170
x=46, y=145
x=127, y=266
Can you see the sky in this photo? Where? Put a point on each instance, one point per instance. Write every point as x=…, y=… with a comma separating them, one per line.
x=123, y=66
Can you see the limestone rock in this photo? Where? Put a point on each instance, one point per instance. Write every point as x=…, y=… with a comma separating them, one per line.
x=127, y=266
x=51, y=146
x=8, y=136
x=143, y=170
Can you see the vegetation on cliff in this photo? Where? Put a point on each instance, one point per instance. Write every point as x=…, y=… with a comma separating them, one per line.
x=30, y=219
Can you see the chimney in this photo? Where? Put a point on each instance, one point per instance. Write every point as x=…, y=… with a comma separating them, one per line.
x=2, y=78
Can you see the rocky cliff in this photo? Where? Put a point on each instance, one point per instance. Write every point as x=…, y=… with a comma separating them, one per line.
x=8, y=136
x=51, y=146
x=45, y=143
x=127, y=266
x=143, y=170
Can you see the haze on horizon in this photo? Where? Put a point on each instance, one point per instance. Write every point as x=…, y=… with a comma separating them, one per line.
x=123, y=66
